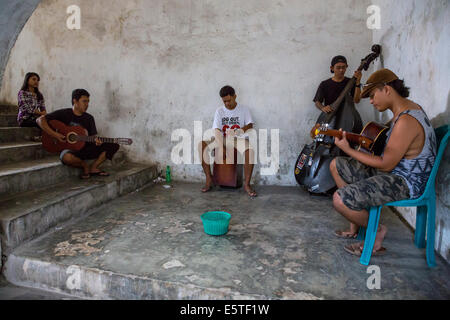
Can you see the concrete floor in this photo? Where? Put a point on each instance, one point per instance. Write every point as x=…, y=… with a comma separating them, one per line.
x=151, y=245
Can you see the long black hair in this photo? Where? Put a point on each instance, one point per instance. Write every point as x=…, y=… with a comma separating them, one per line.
x=25, y=84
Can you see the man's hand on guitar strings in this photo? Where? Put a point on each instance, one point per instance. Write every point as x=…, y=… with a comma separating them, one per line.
x=327, y=109
x=60, y=137
x=342, y=143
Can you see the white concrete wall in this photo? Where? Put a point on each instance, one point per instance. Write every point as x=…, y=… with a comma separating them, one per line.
x=415, y=36
x=154, y=66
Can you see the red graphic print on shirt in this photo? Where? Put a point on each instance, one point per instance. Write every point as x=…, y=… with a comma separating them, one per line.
x=225, y=127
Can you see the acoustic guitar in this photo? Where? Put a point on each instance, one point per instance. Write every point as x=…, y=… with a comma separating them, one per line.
x=76, y=138
x=372, y=138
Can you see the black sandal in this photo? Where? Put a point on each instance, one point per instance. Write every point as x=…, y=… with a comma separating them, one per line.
x=99, y=173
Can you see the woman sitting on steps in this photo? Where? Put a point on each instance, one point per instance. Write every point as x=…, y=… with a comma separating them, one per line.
x=31, y=102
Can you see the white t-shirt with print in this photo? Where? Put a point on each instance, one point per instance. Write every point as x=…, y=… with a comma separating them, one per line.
x=237, y=118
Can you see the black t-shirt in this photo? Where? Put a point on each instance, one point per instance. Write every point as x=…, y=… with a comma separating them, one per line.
x=330, y=90
x=69, y=118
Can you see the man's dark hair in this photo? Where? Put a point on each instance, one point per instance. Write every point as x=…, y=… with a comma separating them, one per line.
x=227, y=91
x=78, y=93
x=399, y=86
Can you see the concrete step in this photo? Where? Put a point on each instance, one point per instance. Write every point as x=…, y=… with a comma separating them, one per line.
x=30, y=214
x=15, y=134
x=27, y=175
x=8, y=120
x=6, y=109
x=21, y=151
x=9, y=291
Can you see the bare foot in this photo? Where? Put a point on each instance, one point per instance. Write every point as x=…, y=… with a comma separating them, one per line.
x=208, y=185
x=381, y=233
x=85, y=174
x=251, y=193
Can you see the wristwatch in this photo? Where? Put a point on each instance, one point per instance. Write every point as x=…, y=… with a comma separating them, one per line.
x=358, y=85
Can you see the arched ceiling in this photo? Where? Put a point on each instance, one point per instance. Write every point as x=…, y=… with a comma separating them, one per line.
x=13, y=16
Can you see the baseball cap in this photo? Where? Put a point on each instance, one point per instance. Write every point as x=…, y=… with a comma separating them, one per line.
x=382, y=76
x=338, y=59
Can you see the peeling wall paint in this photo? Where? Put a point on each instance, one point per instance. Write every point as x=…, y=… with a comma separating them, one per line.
x=415, y=37
x=155, y=66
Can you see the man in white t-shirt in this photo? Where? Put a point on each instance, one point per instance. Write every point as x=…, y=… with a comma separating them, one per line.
x=232, y=119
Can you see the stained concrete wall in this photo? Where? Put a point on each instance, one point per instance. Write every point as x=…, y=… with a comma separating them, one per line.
x=156, y=66
x=13, y=16
x=415, y=36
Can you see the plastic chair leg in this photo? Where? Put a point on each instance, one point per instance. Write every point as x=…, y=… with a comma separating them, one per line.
x=371, y=233
x=361, y=234
x=431, y=225
x=421, y=226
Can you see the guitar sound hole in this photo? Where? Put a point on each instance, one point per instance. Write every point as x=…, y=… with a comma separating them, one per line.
x=71, y=138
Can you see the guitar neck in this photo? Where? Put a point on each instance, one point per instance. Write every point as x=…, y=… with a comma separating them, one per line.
x=102, y=139
x=352, y=137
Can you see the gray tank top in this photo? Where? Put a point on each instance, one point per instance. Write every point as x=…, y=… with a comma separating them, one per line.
x=416, y=171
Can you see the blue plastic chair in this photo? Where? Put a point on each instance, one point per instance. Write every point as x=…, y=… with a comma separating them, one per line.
x=426, y=210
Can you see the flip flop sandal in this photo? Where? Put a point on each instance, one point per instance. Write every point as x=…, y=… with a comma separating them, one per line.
x=379, y=252
x=252, y=193
x=354, y=250
x=85, y=176
x=99, y=173
x=357, y=251
x=339, y=234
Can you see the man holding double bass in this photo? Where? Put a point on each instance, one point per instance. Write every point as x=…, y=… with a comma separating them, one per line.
x=330, y=89
x=311, y=169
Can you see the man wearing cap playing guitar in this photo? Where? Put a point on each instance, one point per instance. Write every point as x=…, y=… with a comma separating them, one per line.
x=77, y=115
x=400, y=172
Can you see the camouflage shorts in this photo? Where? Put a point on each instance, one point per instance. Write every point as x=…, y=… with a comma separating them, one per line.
x=366, y=186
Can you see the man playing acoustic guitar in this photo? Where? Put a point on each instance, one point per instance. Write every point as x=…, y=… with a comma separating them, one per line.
x=402, y=170
x=77, y=116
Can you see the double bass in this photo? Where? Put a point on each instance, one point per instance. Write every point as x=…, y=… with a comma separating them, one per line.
x=312, y=166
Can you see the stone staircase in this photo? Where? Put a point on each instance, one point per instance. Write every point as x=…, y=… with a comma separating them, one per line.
x=38, y=193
